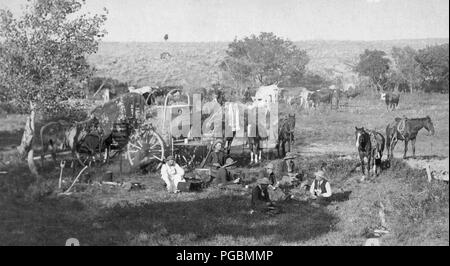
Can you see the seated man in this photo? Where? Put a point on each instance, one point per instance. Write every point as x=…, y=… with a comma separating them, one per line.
x=275, y=191
x=218, y=166
x=291, y=176
x=320, y=188
x=260, y=198
x=172, y=174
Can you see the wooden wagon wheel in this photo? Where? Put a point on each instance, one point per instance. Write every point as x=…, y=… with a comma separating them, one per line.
x=145, y=147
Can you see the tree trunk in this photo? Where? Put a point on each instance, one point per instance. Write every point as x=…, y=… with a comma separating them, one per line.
x=26, y=146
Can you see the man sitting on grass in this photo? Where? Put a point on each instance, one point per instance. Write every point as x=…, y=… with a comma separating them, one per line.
x=219, y=166
x=320, y=188
x=260, y=198
x=172, y=174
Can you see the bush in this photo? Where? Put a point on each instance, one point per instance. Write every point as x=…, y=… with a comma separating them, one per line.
x=11, y=108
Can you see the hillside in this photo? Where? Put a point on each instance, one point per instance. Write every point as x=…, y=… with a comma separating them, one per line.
x=197, y=64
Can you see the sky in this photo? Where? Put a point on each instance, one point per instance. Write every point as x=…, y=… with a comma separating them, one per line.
x=297, y=20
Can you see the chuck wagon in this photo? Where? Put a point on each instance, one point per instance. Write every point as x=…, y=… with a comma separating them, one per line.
x=152, y=140
x=143, y=132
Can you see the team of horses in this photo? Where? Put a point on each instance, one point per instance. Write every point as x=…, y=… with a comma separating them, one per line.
x=371, y=144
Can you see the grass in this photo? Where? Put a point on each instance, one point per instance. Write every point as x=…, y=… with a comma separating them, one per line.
x=416, y=211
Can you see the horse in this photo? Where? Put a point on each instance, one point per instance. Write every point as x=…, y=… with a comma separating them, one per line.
x=377, y=141
x=364, y=147
x=391, y=99
x=62, y=135
x=53, y=137
x=406, y=129
x=285, y=134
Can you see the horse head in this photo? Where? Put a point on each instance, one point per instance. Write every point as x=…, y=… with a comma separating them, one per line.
x=429, y=125
x=360, y=136
x=291, y=121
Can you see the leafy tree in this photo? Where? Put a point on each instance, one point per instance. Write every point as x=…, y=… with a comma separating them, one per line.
x=264, y=60
x=314, y=81
x=407, y=67
x=43, y=52
x=433, y=62
x=375, y=65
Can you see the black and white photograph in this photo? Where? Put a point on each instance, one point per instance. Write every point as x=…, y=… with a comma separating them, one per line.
x=250, y=124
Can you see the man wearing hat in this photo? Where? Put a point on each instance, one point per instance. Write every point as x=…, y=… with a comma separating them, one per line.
x=276, y=193
x=218, y=165
x=290, y=172
x=260, y=196
x=320, y=188
x=172, y=174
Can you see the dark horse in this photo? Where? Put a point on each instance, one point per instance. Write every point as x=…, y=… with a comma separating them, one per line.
x=370, y=145
x=406, y=130
x=286, y=134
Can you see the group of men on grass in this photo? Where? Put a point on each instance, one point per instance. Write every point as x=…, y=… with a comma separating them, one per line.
x=269, y=187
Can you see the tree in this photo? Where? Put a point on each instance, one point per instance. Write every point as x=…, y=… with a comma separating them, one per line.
x=433, y=62
x=374, y=65
x=264, y=60
x=43, y=52
x=406, y=66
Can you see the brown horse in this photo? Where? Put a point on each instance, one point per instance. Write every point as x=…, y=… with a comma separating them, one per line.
x=364, y=147
x=406, y=130
x=377, y=144
x=370, y=145
x=286, y=134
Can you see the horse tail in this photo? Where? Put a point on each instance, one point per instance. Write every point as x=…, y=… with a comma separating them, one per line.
x=388, y=137
x=383, y=141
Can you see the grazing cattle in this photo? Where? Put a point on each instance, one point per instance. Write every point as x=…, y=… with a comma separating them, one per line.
x=268, y=94
x=304, y=98
x=391, y=99
x=406, y=129
x=322, y=96
x=352, y=93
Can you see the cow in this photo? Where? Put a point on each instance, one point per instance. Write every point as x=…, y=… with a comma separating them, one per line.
x=268, y=94
x=304, y=95
x=322, y=96
x=391, y=99
x=352, y=93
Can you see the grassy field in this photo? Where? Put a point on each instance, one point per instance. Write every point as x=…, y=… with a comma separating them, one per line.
x=194, y=65
x=416, y=211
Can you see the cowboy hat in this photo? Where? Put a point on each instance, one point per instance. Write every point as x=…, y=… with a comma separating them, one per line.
x=170, y=157
x=319, y=173
x=229, y=162
x=263, y=181
x=289, y=156
x=217, y=142
x=269, y=166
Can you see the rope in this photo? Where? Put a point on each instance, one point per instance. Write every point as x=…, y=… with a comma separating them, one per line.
x=76, y=179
